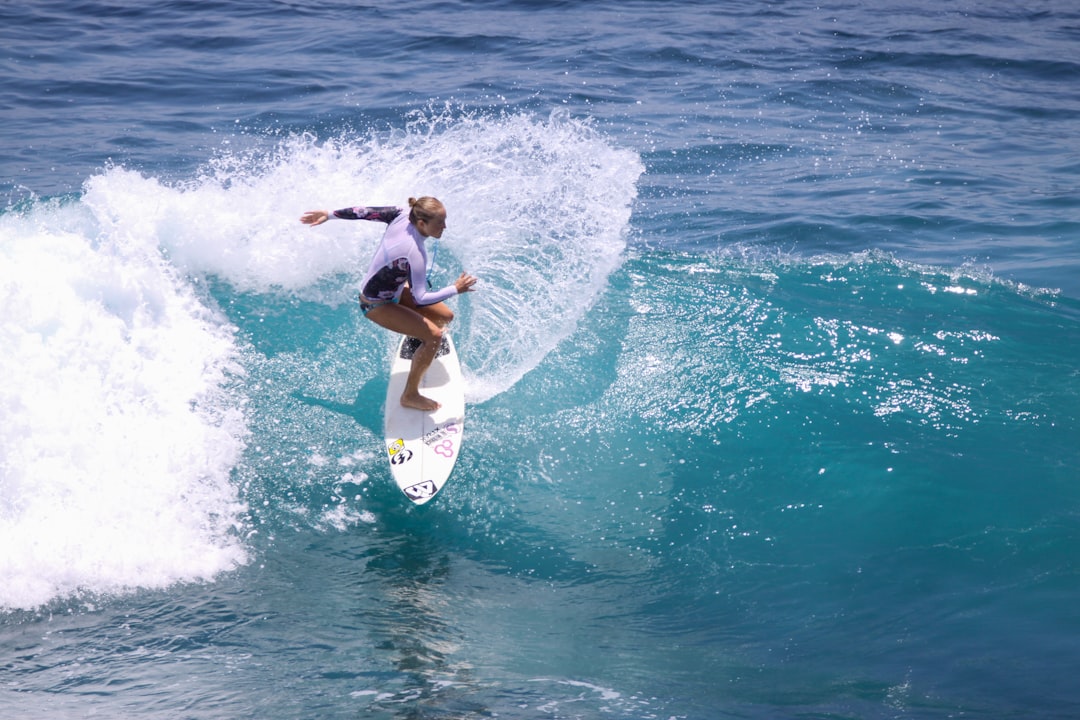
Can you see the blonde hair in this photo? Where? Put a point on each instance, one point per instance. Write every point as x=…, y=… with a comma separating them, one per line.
x=424, y=209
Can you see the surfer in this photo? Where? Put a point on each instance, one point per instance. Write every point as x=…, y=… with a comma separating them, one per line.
x=395, y=292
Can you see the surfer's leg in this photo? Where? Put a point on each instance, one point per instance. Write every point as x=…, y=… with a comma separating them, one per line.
x=409, y=322
x=439, y=313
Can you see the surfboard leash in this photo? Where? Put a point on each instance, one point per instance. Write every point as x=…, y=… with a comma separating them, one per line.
x=431, y=265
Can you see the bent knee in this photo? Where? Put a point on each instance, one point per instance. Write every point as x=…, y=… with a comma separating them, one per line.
x=439, y=314
x=435, y=332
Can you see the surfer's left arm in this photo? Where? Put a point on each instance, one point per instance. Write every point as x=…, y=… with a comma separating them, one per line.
x=419, y=286
x=423, y=296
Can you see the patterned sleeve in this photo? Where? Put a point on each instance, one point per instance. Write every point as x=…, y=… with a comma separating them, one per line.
x=382, y=214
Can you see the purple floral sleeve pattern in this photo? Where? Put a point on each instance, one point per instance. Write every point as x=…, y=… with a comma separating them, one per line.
x=382, y=214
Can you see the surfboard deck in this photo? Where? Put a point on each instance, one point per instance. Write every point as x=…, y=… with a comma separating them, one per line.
x=423, y=447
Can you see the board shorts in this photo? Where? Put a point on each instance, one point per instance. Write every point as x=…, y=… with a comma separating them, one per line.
x=367, y=305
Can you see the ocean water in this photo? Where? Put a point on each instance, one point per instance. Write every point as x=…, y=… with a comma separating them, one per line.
x=772, y=370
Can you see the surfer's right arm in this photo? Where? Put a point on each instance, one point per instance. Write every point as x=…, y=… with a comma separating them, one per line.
x=382, y=214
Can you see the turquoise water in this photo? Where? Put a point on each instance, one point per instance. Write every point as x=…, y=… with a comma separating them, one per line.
x=772, y=379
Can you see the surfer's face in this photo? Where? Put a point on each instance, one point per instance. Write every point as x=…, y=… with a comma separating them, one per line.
x=433, y=227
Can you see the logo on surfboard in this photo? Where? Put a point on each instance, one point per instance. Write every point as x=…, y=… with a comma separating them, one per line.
x=422, y=490
x=397, y=452
x=441, y=432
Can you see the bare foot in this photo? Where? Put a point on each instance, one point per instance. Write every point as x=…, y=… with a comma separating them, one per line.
x=419, y=402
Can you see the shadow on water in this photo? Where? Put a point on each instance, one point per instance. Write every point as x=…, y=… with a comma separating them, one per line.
x=371, y=394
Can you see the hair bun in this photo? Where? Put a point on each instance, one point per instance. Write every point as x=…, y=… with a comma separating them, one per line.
x=424, y=208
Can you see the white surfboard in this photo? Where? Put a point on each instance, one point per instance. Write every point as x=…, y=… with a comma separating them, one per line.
x=423, y=446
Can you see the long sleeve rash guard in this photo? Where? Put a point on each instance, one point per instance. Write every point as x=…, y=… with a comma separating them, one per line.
x=400, y=258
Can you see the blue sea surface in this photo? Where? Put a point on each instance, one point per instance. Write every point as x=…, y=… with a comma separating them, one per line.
x=773, y=390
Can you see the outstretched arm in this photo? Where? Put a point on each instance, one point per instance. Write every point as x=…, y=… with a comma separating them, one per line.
x=382, y=214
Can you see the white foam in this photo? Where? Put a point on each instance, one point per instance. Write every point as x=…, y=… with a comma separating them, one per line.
x=116, y=441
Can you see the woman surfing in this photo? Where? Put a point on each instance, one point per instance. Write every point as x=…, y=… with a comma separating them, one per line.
x=395, y=293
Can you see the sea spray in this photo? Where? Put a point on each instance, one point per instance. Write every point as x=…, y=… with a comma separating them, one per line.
x=538, y=209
